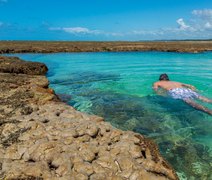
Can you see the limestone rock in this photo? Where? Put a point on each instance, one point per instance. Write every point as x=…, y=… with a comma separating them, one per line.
x=15, y=65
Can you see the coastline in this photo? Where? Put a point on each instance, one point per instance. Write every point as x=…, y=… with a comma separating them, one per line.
x=44, y=138
x=107, y=46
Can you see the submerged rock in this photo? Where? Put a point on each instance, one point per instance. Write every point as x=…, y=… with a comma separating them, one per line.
x=43, y=138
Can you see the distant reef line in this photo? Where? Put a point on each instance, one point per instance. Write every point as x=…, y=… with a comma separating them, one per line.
x=103, y=46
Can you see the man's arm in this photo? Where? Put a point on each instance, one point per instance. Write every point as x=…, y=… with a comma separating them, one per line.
x=189, y=86
x=155, y=86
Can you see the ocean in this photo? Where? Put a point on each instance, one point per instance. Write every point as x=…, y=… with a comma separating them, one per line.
x=118, y=87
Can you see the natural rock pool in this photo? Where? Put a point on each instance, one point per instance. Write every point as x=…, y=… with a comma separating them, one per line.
x=118, y=87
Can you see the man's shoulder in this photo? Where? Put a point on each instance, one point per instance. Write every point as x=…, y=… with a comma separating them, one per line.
x=157, y=83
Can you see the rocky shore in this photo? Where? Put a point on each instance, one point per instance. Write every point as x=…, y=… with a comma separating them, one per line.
x=69, y=46
x=43, y=138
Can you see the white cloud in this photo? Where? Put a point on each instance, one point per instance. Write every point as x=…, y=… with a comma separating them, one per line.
x=147, y=32
x=118, y=34
x=76, y=30
x=199, y=26
x=182, y=24
x=208, y=25
x=84, y=31
x=203, y=12
x=80, y=30
x=203, y=19
x=200, y=22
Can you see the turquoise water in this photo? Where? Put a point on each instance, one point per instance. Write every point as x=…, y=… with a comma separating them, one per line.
x=118, y=87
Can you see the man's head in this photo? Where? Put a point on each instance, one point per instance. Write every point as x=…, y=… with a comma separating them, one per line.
x=164, y=77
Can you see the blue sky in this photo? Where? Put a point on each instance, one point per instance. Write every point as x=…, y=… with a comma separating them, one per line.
x=105, y=19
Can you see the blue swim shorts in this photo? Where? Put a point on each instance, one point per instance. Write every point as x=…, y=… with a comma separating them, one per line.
x=182, y=93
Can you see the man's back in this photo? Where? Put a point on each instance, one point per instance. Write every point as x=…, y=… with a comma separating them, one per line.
x=167, y=85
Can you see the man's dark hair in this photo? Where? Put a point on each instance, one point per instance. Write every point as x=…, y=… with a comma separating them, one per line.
x=164, y=77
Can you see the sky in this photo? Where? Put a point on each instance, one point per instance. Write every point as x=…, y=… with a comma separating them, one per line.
x=105, y=20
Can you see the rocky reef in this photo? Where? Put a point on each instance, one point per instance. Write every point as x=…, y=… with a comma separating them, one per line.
x=15, y=65
x=71, y=46
x=44, y=138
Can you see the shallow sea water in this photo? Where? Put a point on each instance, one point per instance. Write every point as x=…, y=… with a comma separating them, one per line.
x=118, y=87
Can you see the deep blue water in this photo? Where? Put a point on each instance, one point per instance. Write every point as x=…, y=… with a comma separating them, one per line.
x=118, y=87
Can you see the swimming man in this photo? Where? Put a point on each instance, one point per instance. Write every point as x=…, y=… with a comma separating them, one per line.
x=185, y=92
